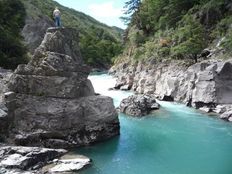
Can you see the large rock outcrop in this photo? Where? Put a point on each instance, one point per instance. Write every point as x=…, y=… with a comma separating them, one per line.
x=205, y=84
x=51, y=102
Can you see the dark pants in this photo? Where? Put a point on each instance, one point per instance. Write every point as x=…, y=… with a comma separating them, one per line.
x=57, y=20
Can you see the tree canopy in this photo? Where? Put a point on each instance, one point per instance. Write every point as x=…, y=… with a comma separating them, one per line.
x=12, y=50
x=178, y=29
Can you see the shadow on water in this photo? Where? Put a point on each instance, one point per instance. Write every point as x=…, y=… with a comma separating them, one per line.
x=103, y=150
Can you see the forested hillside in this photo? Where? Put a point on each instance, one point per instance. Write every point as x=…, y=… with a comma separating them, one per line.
x=99, y=43
x=177, y=29
x=12, y=51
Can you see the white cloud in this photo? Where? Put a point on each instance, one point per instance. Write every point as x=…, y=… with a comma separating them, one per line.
x=106, y=9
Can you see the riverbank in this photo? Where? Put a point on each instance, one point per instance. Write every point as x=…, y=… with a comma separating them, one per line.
x=205, y=85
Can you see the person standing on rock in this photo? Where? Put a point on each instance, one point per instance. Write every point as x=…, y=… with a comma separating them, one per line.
x=57, y=15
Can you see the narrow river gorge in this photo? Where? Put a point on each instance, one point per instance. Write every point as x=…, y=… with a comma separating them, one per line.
x=174, y=140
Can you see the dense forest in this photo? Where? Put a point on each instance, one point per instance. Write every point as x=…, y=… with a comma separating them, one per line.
x=12, y=51
x=176, y=29
x=99, y=43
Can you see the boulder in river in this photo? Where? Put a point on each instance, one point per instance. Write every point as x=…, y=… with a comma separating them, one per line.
x=138, y=105
x=50, y=101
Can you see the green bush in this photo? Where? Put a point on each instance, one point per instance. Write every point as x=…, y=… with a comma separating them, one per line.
x=164, y=52
x=136, y=36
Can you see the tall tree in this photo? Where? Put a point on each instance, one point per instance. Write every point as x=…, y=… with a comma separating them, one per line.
x=131, y=11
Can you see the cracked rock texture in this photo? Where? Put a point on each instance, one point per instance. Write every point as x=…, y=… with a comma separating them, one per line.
x=51, y=103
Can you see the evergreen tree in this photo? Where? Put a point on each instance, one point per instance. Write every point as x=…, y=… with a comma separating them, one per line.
x=189, y=38
x=131, y=11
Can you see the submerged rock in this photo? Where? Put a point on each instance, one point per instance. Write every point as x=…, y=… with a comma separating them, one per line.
x=51, y=102
x=138, y=105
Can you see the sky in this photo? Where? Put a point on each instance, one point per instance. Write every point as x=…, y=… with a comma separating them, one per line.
x=105, y=11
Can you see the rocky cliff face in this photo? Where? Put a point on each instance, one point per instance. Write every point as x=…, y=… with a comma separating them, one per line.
x=203, y=85
x=51, y=102
x=36, y=25
x=34, y=30
x=4, y=78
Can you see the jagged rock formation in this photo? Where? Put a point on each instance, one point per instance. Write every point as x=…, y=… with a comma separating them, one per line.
x=51, y=102
x=138, y=105
x=205, y=84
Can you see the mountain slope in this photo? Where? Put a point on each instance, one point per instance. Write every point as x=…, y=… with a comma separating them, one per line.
x=99, y=42
x=163, y=42
x=12, y=51
x=178, y=29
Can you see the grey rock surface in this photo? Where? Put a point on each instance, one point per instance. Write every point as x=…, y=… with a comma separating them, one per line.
x=35, y=27
x=201, y=85
x=18, y=159
x=227, y=115
x=205, y=109
x=4, y=121
x=138, y=105
x=58, y=122
x=70, y=165
x=51, y=102
x=62, y=40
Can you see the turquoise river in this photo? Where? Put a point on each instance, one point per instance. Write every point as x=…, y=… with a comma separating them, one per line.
x=174, y=140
